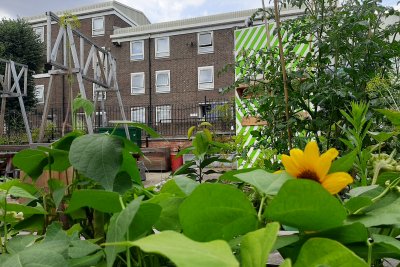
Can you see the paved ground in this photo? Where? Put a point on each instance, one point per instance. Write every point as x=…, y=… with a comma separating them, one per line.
x=153, y=178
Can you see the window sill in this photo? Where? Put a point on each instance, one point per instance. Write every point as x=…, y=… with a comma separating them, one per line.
x=138, y=93
x=163, y=92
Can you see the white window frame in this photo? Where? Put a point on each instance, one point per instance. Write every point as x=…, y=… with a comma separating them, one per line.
x=205, y=85
x=99, y=98
x=160, y=54
x=100, y=31
x=163, y=108
x=137, y=90
x=39, y=88
x=137, y=57
x=141, y=113
x=163, y=88
x=205, y=49
x=41, y=34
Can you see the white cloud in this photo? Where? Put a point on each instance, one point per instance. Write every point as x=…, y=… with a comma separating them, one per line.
x=164, y=10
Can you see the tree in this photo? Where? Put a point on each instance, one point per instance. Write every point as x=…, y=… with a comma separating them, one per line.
x=347, y=48
x=21, y=44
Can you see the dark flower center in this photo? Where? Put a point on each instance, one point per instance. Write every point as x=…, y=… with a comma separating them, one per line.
x=309, y=174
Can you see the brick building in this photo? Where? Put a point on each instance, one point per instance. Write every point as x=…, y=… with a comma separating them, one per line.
x=167, y=72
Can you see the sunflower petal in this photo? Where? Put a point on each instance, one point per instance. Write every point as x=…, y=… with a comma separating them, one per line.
x=311, y=152
x=290, y=166
x=298, y=158
x=335, y=182
x=325, y=162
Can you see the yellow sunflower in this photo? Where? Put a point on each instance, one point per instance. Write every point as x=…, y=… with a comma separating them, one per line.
x=309, y=164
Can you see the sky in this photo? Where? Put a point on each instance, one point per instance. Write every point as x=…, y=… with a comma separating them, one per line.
x=155, y=10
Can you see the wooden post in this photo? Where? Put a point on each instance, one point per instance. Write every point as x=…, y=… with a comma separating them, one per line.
x=46, y=109
x=284, y=75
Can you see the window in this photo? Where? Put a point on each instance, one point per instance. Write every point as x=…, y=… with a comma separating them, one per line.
x=138, y=114
x=205, y=42
x=100, y=119
x=98, y=87
x=137, y=50
x=206, y=78
x=163, y=81
x=163, y=114
x=137, y=83
x=97, y=26
x=162, y=47
x=39, y=93
x=40, y=32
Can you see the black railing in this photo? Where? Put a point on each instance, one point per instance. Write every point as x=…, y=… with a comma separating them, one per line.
x=168, y=120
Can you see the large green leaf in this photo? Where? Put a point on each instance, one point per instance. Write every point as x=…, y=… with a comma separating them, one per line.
x=31, y=161
x=257, y=245
x=318, y=252
x=147, y=215
x=356, y=203
x=20, y=242
x=231, y=175
x=65, y=142
x=390, y=244
x=81, y=248
x=265, y=182
x=217, y=211
x=392, y=115
x=306, y=205
x=384, y=215
x=169, y=217
x=184, y=252
x=97, y=156
x=346, y=234
x=100, y=200
x=90, y=260
x=200, y=143
x=180, y=186
x=81, y=103
x=26, y=210
x=345, y=163
x=119, y=226
x=58, y=159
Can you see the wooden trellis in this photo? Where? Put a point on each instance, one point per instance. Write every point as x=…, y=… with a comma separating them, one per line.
x=103, y=76
x=10, y=86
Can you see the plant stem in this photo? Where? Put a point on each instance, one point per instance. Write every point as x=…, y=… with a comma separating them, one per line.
x=369, y=244
x=261, y=208
x=5, y=225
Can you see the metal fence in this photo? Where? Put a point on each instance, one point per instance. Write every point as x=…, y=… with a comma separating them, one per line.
x=169, y=120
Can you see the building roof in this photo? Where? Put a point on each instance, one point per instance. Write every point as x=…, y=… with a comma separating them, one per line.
x=135, y=16
x=193, y=23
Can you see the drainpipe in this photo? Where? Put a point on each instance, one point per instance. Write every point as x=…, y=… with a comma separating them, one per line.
x=150, y=117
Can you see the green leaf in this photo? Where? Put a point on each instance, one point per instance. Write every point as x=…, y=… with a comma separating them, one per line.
x=346, y=234
x=356, y=203
x=301, y=201
x=58, y=158
x=265, y=182
x=387, y=215
x=100, y=200
x=208, y=161
x=217, y=211
x=257, y=245
x=387, y=176
x=200, y=143
x=65, y=142
x=318, y=252
x=179, y=186
x=184, y=252
x=81, y=248
x=381, y=136
x=91, y=260
x=20, y=242
x=86, y=105
x=37, y=258
x=205, y=124
x=57, y=189
x=31, y=161
x=142, y=126
x=392, y=115
x=119, y=226
x=231, y=175
x=26, y=210
x=147, y=215
x=190, y=131
x=185, y=168
x=345, y=163
x=20, y=192
x=97, y=156
x=391, y=244
x=286, y=263
x=169, y=217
